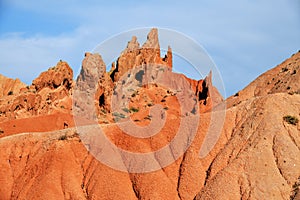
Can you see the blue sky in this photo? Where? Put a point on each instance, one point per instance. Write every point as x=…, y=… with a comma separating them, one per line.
x=244, y=38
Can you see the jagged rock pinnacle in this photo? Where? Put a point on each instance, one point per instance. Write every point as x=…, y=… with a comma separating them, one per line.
x=132, y=45
x=152, y=39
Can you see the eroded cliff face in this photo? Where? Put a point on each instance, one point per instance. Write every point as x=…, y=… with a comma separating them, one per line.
x=49, y=93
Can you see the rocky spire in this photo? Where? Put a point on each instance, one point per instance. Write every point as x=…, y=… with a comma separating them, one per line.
x=132, y=45
x=152, y=39
x=168, y=58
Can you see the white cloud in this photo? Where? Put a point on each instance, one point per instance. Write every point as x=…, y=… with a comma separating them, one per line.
x=26, y=58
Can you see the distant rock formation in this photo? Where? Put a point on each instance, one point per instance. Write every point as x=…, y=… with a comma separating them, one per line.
x=52, y=90
x=146, y=58
x=60, y=75
x=134, y=55
x=10, y=86
x=49, y=93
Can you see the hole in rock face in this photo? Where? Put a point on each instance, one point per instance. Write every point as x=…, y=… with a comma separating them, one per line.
x=101, y=100
x=139, y=76
x=67, y=84
x=204, y=93
x=112, y=75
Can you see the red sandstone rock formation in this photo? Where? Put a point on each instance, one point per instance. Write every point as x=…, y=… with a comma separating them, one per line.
x=144, y=62
x=60, y=75
x=134, y=55
x=256, y=156
x=10, y=86
x=49, y=93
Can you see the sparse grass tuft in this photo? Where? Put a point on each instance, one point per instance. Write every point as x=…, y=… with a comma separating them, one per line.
x=126, y=110
x=133, y=109
x=119, y=115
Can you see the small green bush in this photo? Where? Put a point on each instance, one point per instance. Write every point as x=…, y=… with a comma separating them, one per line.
x=126, y=110
x=291, y=119
x=120, y=115
x=116, y=119
x=133, y=109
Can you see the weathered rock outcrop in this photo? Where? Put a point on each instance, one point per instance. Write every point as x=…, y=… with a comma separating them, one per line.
x=10, y=86
x=93, y=84
x=49, y=93
x=207, y=95
x=138, y=65
x=134, y=55
x=60, y=75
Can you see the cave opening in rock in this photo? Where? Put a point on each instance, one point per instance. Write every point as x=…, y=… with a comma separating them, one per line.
x=67, y=84
x=101, y=100
x=204, y=93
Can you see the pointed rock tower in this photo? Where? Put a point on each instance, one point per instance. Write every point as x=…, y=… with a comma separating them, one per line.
x=134, y=55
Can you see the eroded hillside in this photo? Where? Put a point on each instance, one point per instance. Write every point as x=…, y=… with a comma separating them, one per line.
x=256, y=155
